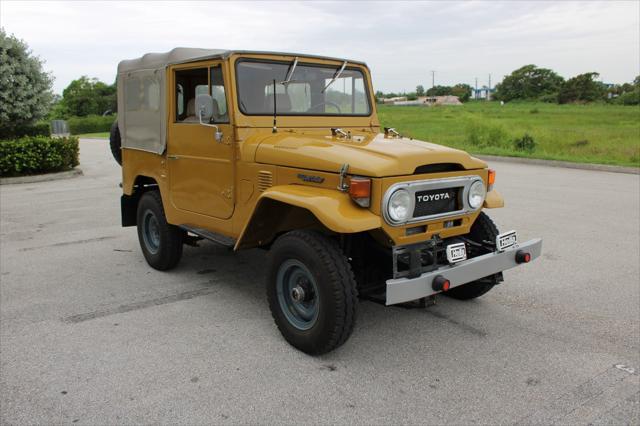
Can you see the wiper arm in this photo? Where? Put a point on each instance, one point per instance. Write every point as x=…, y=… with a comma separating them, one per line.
x=335, y=76
x=287, y=79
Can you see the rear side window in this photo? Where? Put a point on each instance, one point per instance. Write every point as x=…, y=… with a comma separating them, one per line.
x=132, y=90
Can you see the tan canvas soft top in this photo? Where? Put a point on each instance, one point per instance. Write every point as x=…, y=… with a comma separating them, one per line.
x=181, y=55
x=142, y=109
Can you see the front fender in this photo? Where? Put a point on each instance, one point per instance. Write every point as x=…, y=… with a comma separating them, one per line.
x=333, y=209
x=493, y=200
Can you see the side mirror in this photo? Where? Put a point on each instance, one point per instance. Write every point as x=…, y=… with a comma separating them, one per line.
x=204, y=107
x=204, y=110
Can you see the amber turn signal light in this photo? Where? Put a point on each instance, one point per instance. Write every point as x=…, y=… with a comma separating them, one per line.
x=360, y=190
x=491, y=179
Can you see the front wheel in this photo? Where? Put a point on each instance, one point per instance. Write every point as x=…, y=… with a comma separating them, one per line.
x=161, y=242
x=311, y=291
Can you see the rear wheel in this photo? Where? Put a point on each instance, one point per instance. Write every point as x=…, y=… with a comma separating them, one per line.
x=115, y=142
x=311, y=291
x=483, y=229
x=161, y=242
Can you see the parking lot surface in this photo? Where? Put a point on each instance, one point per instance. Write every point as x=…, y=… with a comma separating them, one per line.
x=89, y=334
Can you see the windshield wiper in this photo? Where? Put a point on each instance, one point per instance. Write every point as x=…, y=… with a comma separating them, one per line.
x=335, y=76
x=287, y=79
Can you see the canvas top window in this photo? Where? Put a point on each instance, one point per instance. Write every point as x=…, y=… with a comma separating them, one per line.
x=309, y=91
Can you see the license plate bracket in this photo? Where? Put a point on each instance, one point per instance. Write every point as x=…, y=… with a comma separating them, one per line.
x=456, y=252
x=506, y=240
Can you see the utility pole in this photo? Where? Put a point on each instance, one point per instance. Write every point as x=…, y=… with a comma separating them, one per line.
x=489, y=92
x=433, y=79
x=475, y=94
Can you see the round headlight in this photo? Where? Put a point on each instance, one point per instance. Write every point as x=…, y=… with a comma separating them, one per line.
x=477, y=192
x=399, y=206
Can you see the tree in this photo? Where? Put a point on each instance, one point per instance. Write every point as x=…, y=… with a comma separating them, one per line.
x=582, y=88
x=462, y=91
x=86, y=96
x=25, y=88
x=419, y=90
x=529, y=82
x=439, y=91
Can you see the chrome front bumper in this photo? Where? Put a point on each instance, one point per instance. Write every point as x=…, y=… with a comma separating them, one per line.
x=402, y=290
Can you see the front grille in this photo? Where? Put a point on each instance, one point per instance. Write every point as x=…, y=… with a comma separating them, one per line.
x=432, y=198
x=436, y=201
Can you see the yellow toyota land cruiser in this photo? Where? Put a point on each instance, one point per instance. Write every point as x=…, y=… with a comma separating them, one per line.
x=285, y=152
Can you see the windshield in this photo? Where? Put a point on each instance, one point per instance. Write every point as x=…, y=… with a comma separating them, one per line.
x=304, y=93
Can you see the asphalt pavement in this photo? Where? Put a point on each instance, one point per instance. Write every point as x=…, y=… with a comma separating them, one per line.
x=89, y=334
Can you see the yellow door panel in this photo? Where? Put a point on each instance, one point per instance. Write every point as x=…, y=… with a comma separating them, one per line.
x=201, y=168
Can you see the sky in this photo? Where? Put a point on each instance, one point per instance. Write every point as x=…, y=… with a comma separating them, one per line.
x=402, y=42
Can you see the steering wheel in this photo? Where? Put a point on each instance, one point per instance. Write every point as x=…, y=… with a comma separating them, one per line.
x=333, y=104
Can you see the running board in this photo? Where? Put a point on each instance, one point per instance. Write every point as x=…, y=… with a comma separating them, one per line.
x=211, y=236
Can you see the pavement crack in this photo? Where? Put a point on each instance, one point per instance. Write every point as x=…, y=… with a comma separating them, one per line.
x=461, y=325
x=74, y=319
x=68, y=243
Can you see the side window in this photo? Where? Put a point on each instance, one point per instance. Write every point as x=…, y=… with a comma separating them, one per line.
x=132, y=89
x=151, y=93
x=218, y=95
x=189, y=83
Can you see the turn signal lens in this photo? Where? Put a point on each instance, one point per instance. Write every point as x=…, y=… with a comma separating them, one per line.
x=491, y=179
x=360, y=191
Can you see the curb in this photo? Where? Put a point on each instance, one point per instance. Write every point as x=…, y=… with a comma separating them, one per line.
x=41, y=178
x=565, y=164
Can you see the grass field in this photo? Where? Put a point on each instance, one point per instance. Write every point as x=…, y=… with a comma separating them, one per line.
x=605, y=134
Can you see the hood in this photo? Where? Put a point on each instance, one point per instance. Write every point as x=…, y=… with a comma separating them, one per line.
x=369, y=155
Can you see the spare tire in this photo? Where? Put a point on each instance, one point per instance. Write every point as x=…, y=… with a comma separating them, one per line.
x=115, y=142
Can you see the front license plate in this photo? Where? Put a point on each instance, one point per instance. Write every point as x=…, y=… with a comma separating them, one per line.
x=506, y=240
x=456, y=252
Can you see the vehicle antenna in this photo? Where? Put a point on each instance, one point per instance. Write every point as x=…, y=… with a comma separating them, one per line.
x=275, y=104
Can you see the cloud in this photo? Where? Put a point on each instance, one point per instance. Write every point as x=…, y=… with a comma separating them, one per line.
x=401, y=41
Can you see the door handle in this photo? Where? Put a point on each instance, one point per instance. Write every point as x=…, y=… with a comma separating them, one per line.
x=172, y=157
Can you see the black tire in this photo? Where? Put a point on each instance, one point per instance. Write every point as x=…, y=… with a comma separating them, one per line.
x=115, y=142
x=333, y=280
x=483, y=229
x=161, y=242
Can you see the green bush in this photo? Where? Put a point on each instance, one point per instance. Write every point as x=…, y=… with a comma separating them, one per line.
x=37, y=154
x=525, y=143
x=549, y=98
x=629, y=98
x=485, y=134
x=40, y=128
x=90, y=124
